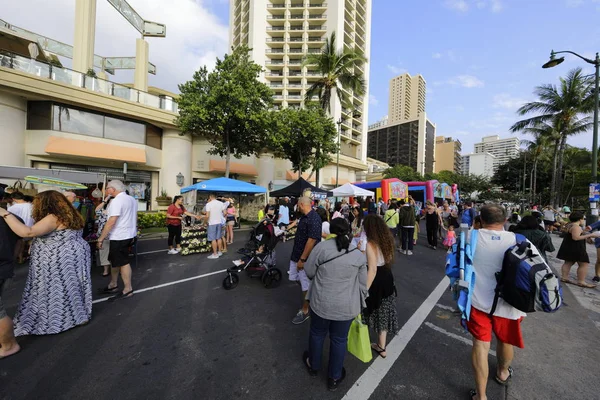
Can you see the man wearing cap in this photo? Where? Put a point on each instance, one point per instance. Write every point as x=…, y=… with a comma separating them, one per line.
x=121, y=229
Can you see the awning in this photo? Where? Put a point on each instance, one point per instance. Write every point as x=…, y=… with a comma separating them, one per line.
x=9, y=172
x=234, y=168
x=87, y=149
x=349, y=189
x=225, y=185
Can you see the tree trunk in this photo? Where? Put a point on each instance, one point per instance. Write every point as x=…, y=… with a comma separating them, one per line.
x=227, y=156
x=317, y=170
x=553, y=182
x=534, y=186
x=559, y=170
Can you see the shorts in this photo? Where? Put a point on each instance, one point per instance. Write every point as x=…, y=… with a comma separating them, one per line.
x=231, y=222
x=223, y=231
x=3, y=286
x=481, y=326
x=118, y=254
x=549, y=223
x=214, y=232
x=295, y=276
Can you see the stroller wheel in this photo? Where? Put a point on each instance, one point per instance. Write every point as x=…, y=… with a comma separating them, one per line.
x=231, y=281
x=271, y=278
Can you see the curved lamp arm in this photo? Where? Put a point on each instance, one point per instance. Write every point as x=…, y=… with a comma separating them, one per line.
x=587, y=60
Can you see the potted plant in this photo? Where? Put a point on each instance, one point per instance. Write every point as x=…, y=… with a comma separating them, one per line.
x=164, y=199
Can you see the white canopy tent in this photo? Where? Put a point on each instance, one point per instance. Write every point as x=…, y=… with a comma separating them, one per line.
x=348, y=189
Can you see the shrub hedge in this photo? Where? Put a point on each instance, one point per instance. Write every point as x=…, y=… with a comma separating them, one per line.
x=151, y=219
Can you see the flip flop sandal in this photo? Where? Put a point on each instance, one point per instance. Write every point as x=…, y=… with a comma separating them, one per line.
x=108, y=290
x=585, y=285
x=375, y=347
x=505, y=382
x=472, y=393
x=566, y=281
x=122, y=295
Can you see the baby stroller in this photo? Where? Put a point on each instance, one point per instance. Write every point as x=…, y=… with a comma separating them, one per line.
x=258, y=257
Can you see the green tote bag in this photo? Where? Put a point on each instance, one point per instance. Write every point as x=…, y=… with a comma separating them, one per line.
x=359, y=343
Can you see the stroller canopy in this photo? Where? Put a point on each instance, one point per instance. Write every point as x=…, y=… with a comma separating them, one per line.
x=297, y=188
x=225, y=185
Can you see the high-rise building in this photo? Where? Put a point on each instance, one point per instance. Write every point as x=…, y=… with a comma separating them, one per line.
x=478, y=164
x=406, y=98
x=503, y=150
x=281, y=33
x=410, y=143
x=382, y=122
x=447, y=154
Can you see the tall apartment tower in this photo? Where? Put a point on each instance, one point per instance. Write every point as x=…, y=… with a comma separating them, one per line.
x=503, y=150
x=281, y=32
x=406, y=98
x=447, y=154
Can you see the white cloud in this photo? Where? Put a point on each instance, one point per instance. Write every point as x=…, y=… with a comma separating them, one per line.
x=458, y=5
x=497, y=6
x=373, y=100
x=436, y=55
x=504, y=100
x=467, y=81
x=397, y=70
x=194, y=35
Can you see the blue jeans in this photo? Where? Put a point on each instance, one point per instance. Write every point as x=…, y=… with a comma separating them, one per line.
x=338, y=336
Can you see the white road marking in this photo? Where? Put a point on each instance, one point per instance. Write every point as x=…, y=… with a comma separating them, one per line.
x=364, y=387
x=443, y=307
x=454, y=336
x=152, y=252
x=165, y=284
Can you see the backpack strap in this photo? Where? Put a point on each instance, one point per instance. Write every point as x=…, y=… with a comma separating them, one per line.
x=523, y=244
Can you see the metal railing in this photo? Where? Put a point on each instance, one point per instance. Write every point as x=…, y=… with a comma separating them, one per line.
x=78, y=79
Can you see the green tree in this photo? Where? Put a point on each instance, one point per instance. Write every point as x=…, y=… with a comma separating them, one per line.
x=228, y=106
x=402, y=172
x=295, y=133
x=470, y=183
x=338, y=72
x=565, y=108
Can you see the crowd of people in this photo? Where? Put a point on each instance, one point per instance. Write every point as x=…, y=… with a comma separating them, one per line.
x=58, y=290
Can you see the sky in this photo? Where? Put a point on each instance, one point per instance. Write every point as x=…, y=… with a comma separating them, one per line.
x=481, y=58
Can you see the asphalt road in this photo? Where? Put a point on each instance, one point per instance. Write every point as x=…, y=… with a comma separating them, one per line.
x=194, y=340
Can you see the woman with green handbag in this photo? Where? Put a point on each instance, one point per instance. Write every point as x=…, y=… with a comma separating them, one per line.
x=380, y=313
x=339, y=283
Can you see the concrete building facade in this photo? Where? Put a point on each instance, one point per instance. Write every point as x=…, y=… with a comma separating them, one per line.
x=478, y=164
x=280, y=34
x=447, y=154
x=381, y=123
x=406, y=98
x=409, y=143
x=503, y=150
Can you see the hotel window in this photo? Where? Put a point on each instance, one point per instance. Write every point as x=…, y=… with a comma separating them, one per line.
x=67, y=119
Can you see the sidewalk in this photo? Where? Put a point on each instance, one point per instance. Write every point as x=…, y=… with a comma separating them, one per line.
x=587, y=298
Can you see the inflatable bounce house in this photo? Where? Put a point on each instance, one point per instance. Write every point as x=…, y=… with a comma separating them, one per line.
x=386, y=189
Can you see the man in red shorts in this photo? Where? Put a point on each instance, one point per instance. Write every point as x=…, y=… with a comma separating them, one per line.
x=492, y=242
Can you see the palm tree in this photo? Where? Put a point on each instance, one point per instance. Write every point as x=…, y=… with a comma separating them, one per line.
x=337, y=70
x=543, y=136
x=564, y=109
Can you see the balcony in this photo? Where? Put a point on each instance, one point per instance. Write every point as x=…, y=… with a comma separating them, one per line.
x=275, y=5
x=296, y=39
x=276, y=40
x=323, y=16
x=317, y=28
x=297, y=5
x=296, y=28
x=275, y=16
x=275, y=28
x=78, y=79
x=274, y=51
x=317, y=5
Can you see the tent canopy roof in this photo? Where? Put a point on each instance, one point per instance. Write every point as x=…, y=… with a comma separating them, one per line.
x=9, y=172
x=296, y=189
x=225, y=185
x=349, y=189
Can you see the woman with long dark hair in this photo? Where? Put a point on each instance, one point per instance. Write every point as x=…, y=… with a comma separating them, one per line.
x=358, y=236
x=58, y=290
x=380, y=313
x=175, y=215
x=339, y=283
x=572, y=250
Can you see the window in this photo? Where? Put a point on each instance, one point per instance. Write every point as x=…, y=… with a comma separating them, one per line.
x=67, y=119
x=39, y=115
x=154, y=136
x=126, y=131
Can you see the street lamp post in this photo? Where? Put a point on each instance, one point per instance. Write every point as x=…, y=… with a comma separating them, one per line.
x=553, y=62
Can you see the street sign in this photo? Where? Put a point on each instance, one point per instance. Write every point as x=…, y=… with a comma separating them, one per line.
x=594, y=192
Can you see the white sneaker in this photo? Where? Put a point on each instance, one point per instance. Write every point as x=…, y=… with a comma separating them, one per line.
x=172, y=251
x=410, y=253
x=213, y=257
x=178, y=250
x=219, y=254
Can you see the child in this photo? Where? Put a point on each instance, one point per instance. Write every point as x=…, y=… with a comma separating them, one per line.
x=416, y=234
x=450, y=238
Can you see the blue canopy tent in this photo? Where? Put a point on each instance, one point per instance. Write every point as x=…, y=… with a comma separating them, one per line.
x=225, y=185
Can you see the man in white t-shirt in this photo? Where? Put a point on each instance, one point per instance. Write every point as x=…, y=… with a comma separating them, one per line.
x=121, y=230
x=215, y=211
x=21, y=208
x=492, y=242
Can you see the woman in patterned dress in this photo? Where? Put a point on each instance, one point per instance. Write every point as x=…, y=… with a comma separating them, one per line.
x=58, y=290
x=380, y=314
